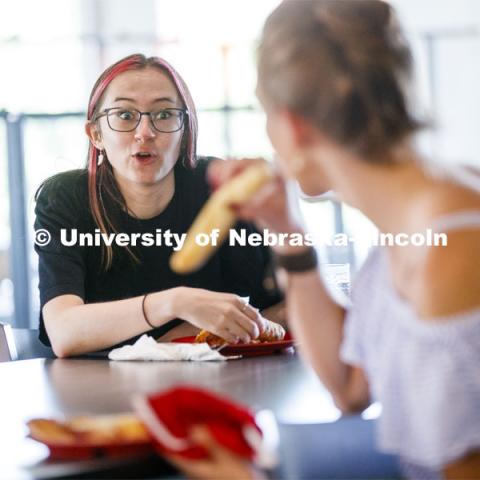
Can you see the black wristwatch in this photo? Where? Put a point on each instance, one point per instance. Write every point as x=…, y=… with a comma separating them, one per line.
x=304, y=261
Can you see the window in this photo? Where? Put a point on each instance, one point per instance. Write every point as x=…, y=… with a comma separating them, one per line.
x=6, y=284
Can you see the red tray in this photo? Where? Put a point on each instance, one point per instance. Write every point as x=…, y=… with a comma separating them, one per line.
x=86, y=452
x=249, y=349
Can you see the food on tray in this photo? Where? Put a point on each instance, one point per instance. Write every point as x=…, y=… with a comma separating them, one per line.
x=91, y=430
x=217, y=213
x=272, y=332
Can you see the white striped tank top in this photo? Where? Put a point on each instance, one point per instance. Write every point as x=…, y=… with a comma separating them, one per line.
x=426, y=374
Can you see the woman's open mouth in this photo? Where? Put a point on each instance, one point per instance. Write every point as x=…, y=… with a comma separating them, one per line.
x=144, y=157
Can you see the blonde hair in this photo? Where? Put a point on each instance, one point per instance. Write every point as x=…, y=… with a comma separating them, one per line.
x=344, y=66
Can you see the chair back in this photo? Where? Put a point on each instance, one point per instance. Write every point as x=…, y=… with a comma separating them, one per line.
x=8, y=349
x=28, y=344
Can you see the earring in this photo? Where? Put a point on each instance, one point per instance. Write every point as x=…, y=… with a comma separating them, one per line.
x=100, y=158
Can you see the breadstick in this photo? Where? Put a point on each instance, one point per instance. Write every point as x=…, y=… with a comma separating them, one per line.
x=216, y=213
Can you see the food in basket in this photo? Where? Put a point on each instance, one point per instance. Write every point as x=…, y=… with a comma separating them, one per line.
x=272, y=332
x=89, y=430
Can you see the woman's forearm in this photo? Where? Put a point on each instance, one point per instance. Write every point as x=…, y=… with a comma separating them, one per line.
x=75, y=328
x=317, y=324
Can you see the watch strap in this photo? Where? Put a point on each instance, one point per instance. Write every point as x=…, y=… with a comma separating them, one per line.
x=298, y=262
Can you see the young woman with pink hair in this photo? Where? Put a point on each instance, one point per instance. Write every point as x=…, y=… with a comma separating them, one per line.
x=143, y=177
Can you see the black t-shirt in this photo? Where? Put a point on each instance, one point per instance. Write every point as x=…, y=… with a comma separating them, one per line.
x=63, y=204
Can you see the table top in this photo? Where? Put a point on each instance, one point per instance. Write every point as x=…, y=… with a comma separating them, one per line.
x=64, y=387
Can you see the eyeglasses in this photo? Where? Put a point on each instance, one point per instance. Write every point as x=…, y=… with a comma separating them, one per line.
x=167, y=120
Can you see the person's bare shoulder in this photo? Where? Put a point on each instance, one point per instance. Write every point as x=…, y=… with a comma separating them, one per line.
x=449, y=276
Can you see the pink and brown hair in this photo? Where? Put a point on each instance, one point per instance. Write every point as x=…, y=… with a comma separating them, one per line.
x=101, y=181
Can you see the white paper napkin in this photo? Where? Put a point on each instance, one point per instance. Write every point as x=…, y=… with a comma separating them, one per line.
x=147, y=348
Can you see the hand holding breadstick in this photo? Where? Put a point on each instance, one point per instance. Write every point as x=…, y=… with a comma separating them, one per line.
x=218, y=213
x=274, y=207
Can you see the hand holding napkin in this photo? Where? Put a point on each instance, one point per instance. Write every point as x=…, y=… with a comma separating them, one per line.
x=147, y=348
x=170, y=416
